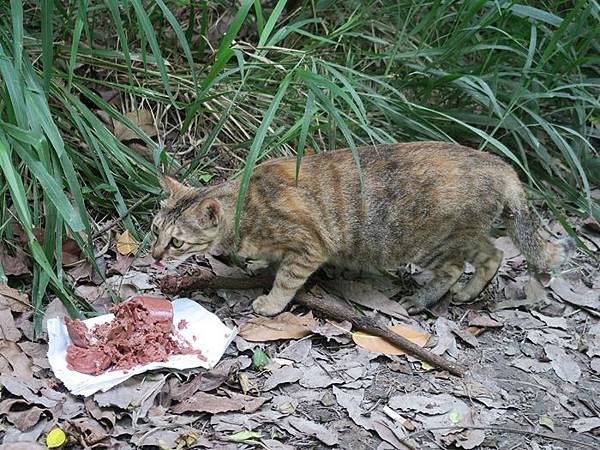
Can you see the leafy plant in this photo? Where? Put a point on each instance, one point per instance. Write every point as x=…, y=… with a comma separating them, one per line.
x=230, y=85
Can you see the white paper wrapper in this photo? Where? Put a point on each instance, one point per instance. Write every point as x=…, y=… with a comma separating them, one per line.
x=212, y=339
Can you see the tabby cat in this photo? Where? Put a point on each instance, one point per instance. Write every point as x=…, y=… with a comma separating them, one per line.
x=427, y=203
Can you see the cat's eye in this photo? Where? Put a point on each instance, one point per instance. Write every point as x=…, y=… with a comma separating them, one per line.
x=155, y=231
x=176, y=243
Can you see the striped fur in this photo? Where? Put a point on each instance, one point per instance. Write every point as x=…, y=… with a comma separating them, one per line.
x=429, y=203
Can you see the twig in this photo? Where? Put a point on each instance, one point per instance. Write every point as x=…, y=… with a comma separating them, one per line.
x=113, y=223
x=340, y=311
x=204, y=279
x=327, y=306
x=505, y=429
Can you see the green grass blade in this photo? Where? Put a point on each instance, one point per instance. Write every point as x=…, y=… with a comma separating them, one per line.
x=306, y=118
x=47, y=41
x=51, y=189
x=326, y=103
x=268, y=28
x=255, y=150
x=260, y=18
x=222, y=57
x=148, y=32
x=81, y=17
x=181, y=37
x=116, y=15
x=16, y=11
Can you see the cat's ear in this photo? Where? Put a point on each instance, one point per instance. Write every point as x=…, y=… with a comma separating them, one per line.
x=211, y=210
x=171, y=186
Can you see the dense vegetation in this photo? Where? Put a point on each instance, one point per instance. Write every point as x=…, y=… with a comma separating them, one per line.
x=220, y=85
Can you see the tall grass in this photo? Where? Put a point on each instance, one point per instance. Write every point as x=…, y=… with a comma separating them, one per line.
x=517, y=78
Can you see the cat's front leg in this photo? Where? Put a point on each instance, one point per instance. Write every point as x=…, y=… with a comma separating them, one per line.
x=292, y=274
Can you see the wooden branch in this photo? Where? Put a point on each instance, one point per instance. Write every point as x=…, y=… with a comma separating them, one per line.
x=205, y=279
x=339, y=311
x=328, y=306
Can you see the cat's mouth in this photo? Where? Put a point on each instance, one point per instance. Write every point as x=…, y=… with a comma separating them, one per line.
x=179, y=262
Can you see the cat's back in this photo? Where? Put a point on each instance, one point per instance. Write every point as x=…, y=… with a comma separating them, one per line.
x=417, y=162
x=412, y=194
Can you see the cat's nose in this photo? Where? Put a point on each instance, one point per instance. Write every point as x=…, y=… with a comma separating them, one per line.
x=157, y=254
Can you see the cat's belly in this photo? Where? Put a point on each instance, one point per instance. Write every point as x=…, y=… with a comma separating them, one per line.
x=372, y=257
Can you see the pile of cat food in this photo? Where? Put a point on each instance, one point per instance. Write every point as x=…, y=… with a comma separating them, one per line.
x=142, y=332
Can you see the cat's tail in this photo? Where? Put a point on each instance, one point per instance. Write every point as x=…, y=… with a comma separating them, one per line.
x=524, y=229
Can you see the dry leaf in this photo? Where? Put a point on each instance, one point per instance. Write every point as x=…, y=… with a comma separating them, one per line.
x=444, y=329
x=316, y=377
x=576, y=295
x=160, y=438
x=121, y=265
x=310, y=428
x=54, y=309
x=531, y=365
x=245, y=383
x=13, y=299
x=142, y=118
x=297, y=351
x=179, y=391
x=203, y=402
x=14, y=265
x=95, y=295
x=552, y=322
x=13, y=359
x=366, y=295
x=22, y=445
x=8, y=329
x=37, y=352
x=20, y=413
x=483, y=320
x=380, y=345
x=286, y=374
x=434, y=404
x=475, y=331
x=351, y=400
x=208, y=380
x=466, y=336
x=126, y=244
x=272, y=444
x=71, y=253
x=564, y=365
x=12, y=436
x=100, y=414
x=339, y=332
x=86, y=430
x=283, y=326
x=586, y=424
x=134, y=394
x=28, y=388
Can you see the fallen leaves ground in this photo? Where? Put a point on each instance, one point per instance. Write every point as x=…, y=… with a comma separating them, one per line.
x=533, y=350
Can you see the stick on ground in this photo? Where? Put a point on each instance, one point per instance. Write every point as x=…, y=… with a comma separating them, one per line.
x=176, y=284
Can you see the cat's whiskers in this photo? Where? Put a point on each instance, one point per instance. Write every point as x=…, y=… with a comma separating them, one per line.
x=177, y=264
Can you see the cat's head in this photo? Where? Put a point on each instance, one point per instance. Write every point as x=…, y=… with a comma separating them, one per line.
x=187, y=223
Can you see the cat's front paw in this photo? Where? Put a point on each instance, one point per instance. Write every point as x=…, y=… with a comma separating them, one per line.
x=267, y=306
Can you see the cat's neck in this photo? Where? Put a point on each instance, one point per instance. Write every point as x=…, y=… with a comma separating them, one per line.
x=227, y=194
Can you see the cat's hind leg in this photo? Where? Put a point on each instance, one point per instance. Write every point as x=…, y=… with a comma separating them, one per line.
x=293, y=272
x=445, y=275
x=486, y=260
